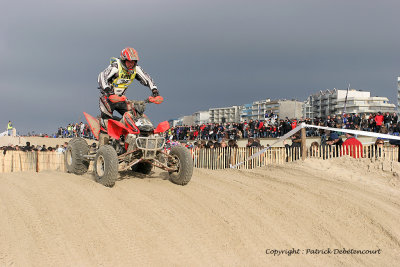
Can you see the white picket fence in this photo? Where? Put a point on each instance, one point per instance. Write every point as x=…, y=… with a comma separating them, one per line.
x=222, y=158
x=219, y=158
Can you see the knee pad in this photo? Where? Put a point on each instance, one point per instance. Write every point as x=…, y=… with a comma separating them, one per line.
x=105, y=106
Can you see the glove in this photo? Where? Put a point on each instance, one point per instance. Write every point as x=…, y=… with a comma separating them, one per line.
x=155, y=92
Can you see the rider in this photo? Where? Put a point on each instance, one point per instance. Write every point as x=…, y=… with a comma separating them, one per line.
x=116, y=78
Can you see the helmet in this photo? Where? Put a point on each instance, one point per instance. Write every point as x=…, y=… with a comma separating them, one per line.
x=128, y=54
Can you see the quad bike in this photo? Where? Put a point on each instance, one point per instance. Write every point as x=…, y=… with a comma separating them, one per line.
x=129, y=143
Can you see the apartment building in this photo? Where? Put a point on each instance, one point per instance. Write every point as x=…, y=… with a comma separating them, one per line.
x=201, y=117
x=224, y=115
x=331, y=102
x=282, y=108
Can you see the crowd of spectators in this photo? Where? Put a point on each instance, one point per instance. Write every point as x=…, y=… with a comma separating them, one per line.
x=70, y=131
x=75, y=130
x=28, y=148
x=272, y=127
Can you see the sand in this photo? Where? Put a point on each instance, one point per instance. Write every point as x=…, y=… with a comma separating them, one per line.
x=221, y=218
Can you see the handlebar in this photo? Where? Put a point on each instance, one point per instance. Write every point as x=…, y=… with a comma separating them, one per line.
x=156, y=100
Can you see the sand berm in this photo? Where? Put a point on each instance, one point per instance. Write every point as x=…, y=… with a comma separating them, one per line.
x=221, y=218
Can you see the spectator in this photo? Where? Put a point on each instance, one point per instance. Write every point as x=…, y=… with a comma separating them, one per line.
x=387, y=120
x=334, y=139
x=314, y=148
x=379, y=143
x=394, y=118
x=223, y=144
x=210, y=144
x=60, y=149
x=378, y=122
x=352, y=146
x=252, y=143
x=9, y=128
x=217, y=145
x=296, y=145
x=27, y=147
x=232, y=144
x=296, y=139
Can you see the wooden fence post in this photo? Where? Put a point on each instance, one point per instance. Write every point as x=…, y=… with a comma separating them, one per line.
x=37, y=161
x=303, y=144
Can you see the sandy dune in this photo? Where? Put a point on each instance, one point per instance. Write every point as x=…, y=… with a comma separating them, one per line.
x=224, y=218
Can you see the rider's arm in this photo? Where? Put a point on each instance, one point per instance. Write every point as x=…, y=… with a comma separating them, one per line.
x=105, y=78
x=144, y=78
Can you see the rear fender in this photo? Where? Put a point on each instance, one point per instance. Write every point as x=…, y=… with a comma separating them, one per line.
x=115, y=129
x=94, y=124
x=162, y=127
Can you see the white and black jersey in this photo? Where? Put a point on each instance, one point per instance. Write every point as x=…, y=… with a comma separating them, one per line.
x=144, y=78
x=106, y=77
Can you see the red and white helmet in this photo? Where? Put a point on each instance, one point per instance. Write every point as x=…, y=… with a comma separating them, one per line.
x=129, y=54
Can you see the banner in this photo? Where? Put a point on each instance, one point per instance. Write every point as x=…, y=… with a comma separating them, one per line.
x=355, y=132
x=289, y=134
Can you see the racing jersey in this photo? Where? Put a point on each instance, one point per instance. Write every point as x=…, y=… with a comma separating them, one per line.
x=115, y=79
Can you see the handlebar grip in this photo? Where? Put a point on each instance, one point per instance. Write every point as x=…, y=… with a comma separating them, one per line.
x=156, y=100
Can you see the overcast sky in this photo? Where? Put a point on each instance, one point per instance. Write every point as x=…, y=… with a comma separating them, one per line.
x=201, y=54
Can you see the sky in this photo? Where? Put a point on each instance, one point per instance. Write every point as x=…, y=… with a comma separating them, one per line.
x=201, y=54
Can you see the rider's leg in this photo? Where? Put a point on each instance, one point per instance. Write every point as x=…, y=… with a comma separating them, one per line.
x=106, y=111
x=120, y=107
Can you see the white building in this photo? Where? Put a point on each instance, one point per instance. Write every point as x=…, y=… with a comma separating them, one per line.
x=188, y=120
x=282, y=108
x=201, y=117
x=365, y=105
x=307, y=109
x=290, y=108
x=175, y=122
x=332, y=102
x=224, y=115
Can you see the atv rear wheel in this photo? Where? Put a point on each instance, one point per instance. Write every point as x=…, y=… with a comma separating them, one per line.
x=106, y=166
x=74, y=160
x=142, y=167
x=182, y=161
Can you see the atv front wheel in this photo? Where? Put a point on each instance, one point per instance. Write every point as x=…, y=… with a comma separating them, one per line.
x=74, y=160
x=106, y=166
x=182, y=161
